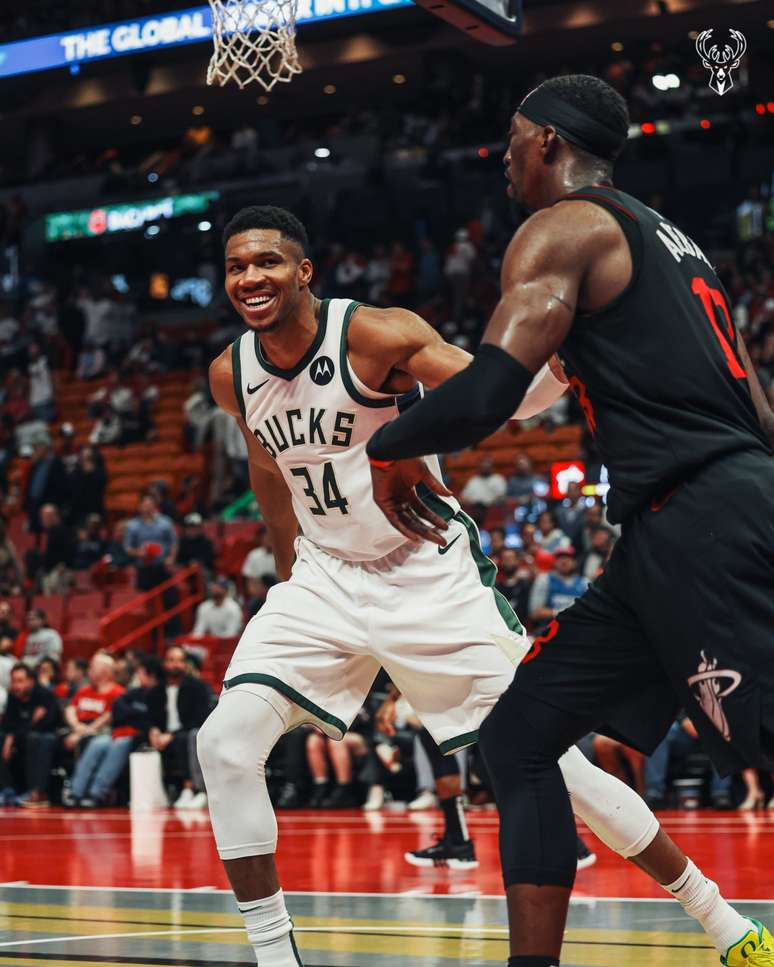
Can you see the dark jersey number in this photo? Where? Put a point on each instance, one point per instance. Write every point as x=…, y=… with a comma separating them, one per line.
x=330, y=491
x=710, y=300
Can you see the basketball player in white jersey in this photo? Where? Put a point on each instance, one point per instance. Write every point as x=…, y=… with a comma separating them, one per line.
x=308, y=383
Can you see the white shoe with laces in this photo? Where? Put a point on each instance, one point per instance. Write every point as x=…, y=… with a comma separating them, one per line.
x=184, y=800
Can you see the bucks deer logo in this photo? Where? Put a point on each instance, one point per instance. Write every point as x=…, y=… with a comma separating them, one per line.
x=720, y=61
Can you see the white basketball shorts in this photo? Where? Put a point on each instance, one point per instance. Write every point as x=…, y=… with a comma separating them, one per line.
x=429, y=615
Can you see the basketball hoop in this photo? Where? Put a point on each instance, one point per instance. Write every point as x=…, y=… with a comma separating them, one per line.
x=254, y=41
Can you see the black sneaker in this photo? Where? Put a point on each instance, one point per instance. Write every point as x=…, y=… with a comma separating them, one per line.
x=585, y=856
x=289, y=797
x=341, y=797
x=453, y=856
x=319, y=795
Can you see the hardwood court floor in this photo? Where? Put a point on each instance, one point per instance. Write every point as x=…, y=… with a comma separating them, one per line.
x=92, y=888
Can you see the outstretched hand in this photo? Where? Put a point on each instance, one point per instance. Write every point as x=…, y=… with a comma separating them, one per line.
x=394, y=486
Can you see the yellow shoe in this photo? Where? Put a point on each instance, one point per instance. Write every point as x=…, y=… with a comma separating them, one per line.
x=755, y=949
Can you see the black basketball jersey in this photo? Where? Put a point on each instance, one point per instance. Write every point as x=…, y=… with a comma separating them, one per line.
x=658, y=372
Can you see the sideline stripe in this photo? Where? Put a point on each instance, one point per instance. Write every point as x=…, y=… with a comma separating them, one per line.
x=582, y=899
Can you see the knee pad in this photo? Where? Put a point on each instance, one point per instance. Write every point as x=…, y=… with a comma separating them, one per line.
x=610, y=808
x=233, y=746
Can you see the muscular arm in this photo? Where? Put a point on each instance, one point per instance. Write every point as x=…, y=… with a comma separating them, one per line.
x=543, y=270
x=760, y=402
x=266, y=481
x=391, y=349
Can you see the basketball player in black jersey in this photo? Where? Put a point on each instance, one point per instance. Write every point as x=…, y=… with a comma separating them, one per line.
x=684, y=613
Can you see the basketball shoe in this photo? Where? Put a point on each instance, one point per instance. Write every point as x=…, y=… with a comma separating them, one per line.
x=444, y=853
x=755, y=949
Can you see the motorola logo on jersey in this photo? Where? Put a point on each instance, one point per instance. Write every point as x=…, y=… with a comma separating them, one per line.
x=322, y=370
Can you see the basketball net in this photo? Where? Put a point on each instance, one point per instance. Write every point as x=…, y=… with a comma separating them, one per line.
x=253, y=41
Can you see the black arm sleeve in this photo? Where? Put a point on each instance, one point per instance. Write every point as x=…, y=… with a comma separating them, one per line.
x=460, y=412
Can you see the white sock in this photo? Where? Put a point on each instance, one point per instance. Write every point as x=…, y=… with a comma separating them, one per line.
x=269, y=930
x=701, y=899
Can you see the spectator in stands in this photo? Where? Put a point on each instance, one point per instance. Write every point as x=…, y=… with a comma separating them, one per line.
x=621, y=761
x=8, y=627
x=92, y=361
x=88, y=712
x=116, y=556
x=90, y=543
x=259, y=563
x=514, y=580
x=602, y=540
x=682, y=739
x=521, y=484
x=178, y=708
x=220, y=616
x=115, y=393
x=197, y=411
x=458, y=268
x=556, y=590
x=549, y=536
x=11, y=575
x=51, y=566
x=9, y=336
x=151, y=541
x=259, y=589
x=194, y=545
x=41, y=640
x=570, y=513
x=75, y=677
x=160, y=490
x=47, y=673
x=106, y=756
x=108, y=427
x=136, y=423
x=484, y=489
x=41, y=387
x=496, y=544
x=47, y=482
x=7, y=660
x=65, y=446
x=87, y=484
x=29, y=739
x=593, y=518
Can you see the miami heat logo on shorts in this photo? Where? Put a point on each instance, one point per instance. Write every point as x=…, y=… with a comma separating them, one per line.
x=710, y=685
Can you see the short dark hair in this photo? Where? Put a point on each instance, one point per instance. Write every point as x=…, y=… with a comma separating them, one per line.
x=268, y=216
x=21, y=667
x=80, y=663
x=151, y=665
x=594, y=97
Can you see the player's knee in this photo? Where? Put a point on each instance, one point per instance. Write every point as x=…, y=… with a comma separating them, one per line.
x=229, y=742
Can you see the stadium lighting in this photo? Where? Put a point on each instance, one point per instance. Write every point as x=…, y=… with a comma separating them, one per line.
x=153, y=177
x=483, y=152
x=135, y=119
x=263, y=100
x=329, y=89
x=705, y=124
x=617, y=46
x=197, y=109
x=770, y=107
x=205, y=226
x=398, y=78
x=665, y=82
x=151, y=231
x=648, y=127
x=322, y=152
x=760, y=108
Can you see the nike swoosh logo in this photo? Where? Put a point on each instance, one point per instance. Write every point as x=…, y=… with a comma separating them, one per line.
x=254, y=389
x=443, y=550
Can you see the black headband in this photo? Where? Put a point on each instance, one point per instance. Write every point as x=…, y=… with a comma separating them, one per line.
x=542, y=106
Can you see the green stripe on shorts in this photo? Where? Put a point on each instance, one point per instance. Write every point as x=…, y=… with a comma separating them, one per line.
x=487, y=570
x=256, y=678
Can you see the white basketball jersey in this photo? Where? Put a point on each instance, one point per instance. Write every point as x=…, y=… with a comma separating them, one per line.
x=314, y=421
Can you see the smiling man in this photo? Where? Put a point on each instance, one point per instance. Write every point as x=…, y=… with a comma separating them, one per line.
x=308, y=383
